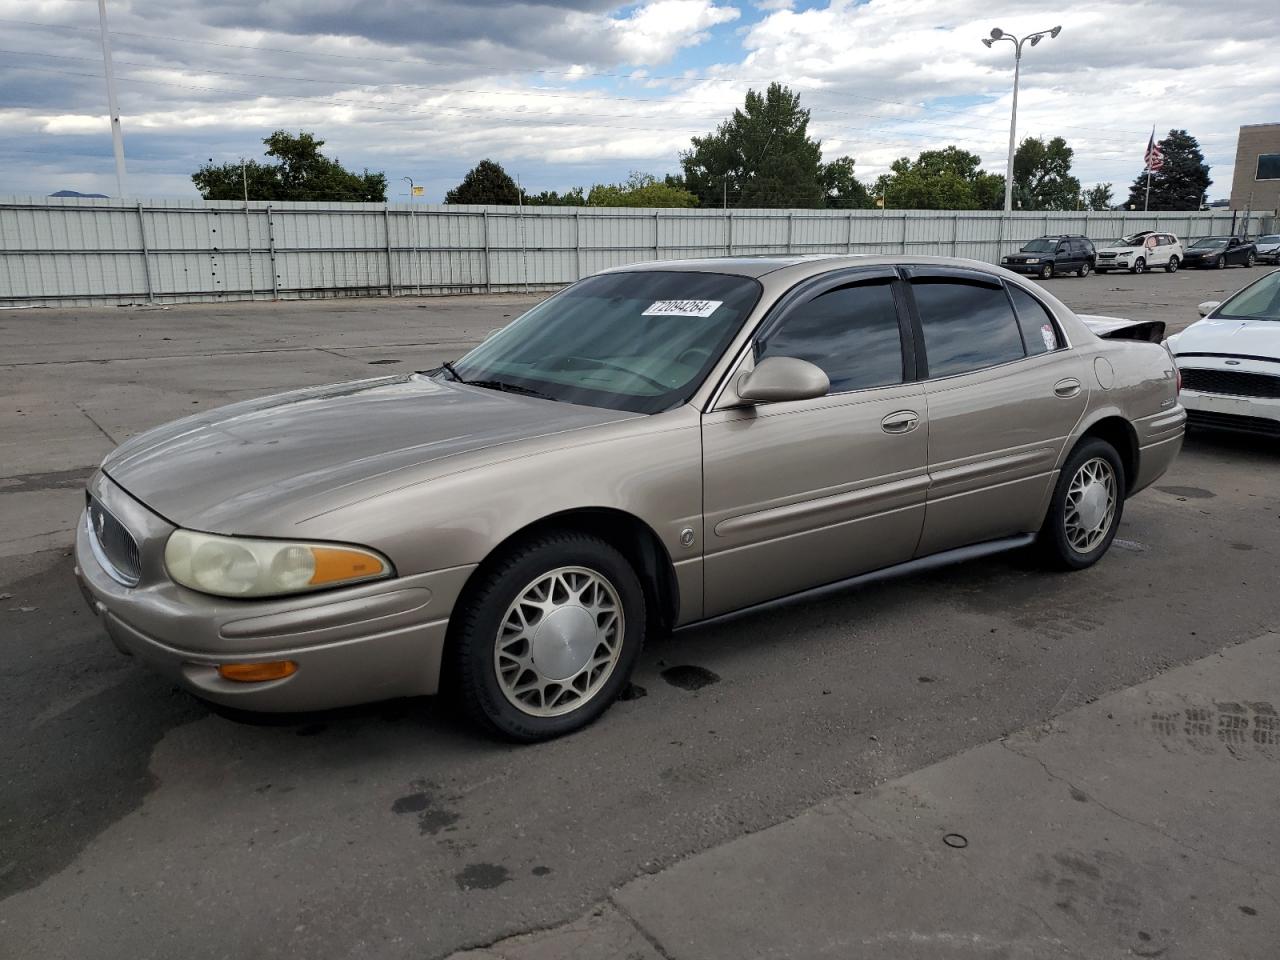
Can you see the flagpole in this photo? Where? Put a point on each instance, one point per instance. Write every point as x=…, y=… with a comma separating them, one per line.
x=1146, y=204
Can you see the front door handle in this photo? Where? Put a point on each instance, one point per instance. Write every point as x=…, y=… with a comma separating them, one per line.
x=901, y=421
x=1067, y=388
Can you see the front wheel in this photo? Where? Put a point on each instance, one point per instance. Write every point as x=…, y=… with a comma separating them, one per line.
x=1046, y=271
x=1085, y=511
x=1084, y=270
x=1220, y=263
x=1171, y=266
x=1139, y=266
x=548, y=637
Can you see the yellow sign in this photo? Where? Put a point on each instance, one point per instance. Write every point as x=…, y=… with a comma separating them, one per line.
x=419, y=191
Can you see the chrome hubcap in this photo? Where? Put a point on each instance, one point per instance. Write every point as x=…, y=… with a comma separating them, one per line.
x=1091, y=505
x=559, y=642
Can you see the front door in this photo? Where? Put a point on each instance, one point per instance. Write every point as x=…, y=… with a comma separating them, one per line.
x=1002, y=401
x=802, y=493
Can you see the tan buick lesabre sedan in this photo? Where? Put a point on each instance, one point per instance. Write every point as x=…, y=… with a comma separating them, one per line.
x=652, y=447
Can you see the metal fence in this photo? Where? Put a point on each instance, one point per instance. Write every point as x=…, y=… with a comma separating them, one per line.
x=66, y=252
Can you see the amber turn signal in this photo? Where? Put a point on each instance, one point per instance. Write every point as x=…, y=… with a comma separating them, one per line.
x=257, y=672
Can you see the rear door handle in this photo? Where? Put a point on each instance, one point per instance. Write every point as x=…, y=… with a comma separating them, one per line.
x=900, y=421
x=1067, y=388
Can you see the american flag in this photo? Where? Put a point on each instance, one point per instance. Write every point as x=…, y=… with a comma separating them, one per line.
x=1154, y=158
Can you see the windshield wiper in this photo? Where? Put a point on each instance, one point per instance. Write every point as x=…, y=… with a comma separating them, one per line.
x=505, y=387
x=448, y=365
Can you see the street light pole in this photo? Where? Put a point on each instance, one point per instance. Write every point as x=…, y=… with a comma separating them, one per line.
x=998, y=34
x=117, y=137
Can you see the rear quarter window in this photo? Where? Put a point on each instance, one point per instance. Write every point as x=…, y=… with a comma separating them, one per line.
x=1039, y=332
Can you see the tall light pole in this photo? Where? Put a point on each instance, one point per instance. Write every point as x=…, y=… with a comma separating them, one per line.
x=998, y=34
x=117, y=137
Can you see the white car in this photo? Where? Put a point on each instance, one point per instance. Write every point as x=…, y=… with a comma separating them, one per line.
x=1268, y=248
x=1230, y=361
x=1140, y=252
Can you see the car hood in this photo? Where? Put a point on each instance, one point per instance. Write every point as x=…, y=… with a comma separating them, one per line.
x=1245, y=338
x=1118, y=249
x=1204, y=251
x=253, y=465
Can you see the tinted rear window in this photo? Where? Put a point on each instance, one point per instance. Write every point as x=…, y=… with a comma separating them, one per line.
x=967, y=326
x=1039, y=332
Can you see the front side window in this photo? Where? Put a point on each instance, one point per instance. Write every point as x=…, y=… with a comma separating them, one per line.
x=852, y=333
x=639, y=341
x=967, y=325
x=1038, y=330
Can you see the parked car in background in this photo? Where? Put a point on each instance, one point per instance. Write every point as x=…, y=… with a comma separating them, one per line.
x=1230, y=361
x=1053, y=256
x=1219, y=252
x=654, y=446
x=1268, y=248
x=1140, y=252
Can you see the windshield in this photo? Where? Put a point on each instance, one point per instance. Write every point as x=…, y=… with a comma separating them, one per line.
x=1043, y=245
x=628, y=341
x=1259, y=301
x=1270, y=238
x=1208, y=243
x=1136, y=240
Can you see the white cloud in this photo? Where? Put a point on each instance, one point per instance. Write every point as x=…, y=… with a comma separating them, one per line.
x=521, y=83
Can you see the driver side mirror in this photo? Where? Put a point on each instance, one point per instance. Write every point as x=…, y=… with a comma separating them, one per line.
x=783, y=378
x=1208, y=307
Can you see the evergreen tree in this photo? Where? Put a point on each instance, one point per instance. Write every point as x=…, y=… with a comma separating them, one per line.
x=1181, y=182
x=486, y=182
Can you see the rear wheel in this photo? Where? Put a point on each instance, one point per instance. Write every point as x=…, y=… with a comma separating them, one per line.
x=1084, y=270
x=1046, y=271
x=547, y=639
x=1085, y=511
x=1139, y=266
x=1172, y=265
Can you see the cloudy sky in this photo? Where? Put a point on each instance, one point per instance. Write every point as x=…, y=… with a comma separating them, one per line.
x=567, y=92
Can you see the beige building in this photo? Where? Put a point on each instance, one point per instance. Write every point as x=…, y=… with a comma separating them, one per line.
x=1256, y=184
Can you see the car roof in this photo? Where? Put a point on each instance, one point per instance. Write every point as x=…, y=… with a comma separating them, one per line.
x=735, y=266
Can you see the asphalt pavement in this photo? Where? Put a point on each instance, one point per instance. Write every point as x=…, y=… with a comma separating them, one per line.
x=135, y=822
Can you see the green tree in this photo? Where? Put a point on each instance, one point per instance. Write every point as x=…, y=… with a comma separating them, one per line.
x=1098, y=197
x=486, y=182
x=640, y=190
x=1042, y=177
x=1181, y=183
x=842, y=189
x=550, y=198
x=301, y=172
x=762, y=156
x=946, y=179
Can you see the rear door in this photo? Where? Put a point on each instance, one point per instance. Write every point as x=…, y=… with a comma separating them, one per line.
x=1003, y=394
x=802, y=493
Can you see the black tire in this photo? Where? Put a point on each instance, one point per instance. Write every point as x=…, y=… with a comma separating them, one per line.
x=1084, y=270
x=1046, y=271
x=1172, y=265
x=1250, y=260
x=1052, y=542
x=471, y=671
x=1220, y=263
x=1139, y=266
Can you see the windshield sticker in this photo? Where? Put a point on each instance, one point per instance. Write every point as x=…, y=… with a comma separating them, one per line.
x=682, y=308
x=1050, y=338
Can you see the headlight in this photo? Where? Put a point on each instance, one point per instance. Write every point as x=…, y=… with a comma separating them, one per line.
x=1033, y=259
x=241, y=567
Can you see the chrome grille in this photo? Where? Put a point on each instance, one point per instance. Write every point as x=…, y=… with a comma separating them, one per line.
x=113, y=544
x=1233, y=383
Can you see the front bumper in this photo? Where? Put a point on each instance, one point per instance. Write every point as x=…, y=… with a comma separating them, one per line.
x=1027, y=268
x=352, y=645
x=1113, y=264
x=1259, y=415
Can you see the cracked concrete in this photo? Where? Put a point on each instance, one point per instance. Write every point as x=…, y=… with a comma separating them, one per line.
x=1106, y=832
